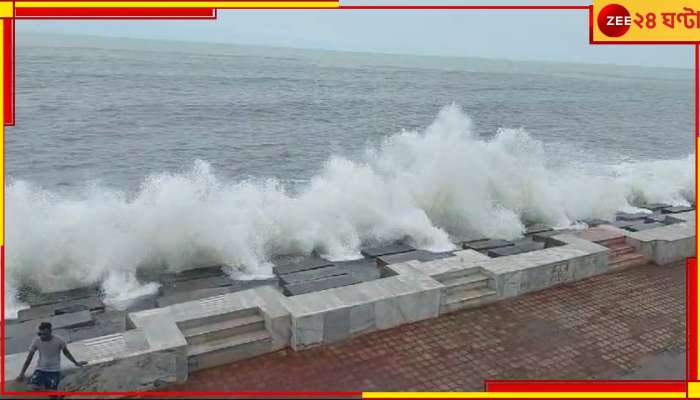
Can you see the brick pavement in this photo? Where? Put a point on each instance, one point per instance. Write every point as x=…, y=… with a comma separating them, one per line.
x=596, y=328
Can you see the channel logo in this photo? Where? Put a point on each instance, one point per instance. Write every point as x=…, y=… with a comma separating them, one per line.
x=614, y=20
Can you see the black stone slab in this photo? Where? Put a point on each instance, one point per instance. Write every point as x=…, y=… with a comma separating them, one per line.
x=517, y=249
x=374, y=252
x=238, y=286
x=363, y=270
x=310, y=275
x=594, y=222
x=106, y=323
x=64, y=321
x=644, y=227
x=34, y=297
x=304, y=264
x=459, y=240
x=624, y=216
x=625, y=224
x=661, y=218
x=195, y=273
x=194, y=284
x=487, y=244
x=655, y=206
x=319, y=284
x=49, y=310
x=677, y=209
x=543, y=236
x=530, y=230
x=419, y=255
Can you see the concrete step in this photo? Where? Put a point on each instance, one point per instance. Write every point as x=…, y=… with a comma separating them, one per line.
x=467, y=282
x=213, y=319
x=468, y=299
x=620, y=250
x=228, y=350
x=224, y=329
x=617, y=241
x=627, y=260
x=452, y=275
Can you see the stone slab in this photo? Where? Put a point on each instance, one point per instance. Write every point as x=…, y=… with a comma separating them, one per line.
x=182, y=297
x=320, y=284
x=644, y=227
x=195, y=273
x=625, y=224
x=677, y=209
x=35, y=298
x=592, y=222
x=656, y=218
x=363, y=270
x=537, y=229
x=625, y=216
x=106, y=323
x=48, y=310
x=517, y=249
x=419, y=255
x=310, y=275
x=194, y=284
x=487, y=244
x=374, y=252
x=655, y=206
x=304, y=264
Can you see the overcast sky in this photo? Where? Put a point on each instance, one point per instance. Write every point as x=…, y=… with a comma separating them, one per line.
x=526, y=35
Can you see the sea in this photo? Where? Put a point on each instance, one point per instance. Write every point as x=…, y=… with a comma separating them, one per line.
x=131, y=154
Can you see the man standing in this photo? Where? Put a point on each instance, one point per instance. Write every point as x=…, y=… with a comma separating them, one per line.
x=48, y=370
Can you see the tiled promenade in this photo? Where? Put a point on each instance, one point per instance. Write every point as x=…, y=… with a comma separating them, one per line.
x=608, y=326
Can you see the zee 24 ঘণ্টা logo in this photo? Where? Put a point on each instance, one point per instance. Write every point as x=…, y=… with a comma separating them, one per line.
x=615, y=20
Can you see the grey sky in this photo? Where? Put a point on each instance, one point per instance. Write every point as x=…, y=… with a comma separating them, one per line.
x=532, y=35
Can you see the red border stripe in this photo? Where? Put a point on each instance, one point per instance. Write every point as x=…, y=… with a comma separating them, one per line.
x=9, y=71
x=115, y=12
x=586, y=386
x=692, y=320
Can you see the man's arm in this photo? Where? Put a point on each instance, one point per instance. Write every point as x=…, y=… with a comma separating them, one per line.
x=70, y=357
x=28, y=361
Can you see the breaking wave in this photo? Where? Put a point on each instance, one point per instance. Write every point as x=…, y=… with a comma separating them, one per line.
x=420, y=186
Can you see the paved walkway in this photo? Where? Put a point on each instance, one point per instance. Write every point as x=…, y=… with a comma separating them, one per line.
x=608, y=326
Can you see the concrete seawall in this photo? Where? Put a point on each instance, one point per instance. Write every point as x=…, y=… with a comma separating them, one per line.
x=163, y=344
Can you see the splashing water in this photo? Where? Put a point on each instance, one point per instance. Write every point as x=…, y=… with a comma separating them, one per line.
x=422, y=186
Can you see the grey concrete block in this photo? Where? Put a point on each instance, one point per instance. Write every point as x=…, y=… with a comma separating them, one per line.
x=362, y=318
x=538, y=228
x=419, y=255
x=625, y=224
x=676, y=209
x=656, y=218
x=624, y=216
x=320, y=284
x=396, y=248
x=33, y=297
x=181, y=297
x=310, y=275
x=194, y=284
x=363, y=270
x=517, y=249
x=336, y=325
x=304, y=264
x=644, y=227
x=655, y=206
x=48, y=310
x=106, y=323
x=594, y=222
x=487, y=244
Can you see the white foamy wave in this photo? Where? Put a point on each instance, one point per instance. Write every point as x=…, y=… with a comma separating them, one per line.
x=416, y=185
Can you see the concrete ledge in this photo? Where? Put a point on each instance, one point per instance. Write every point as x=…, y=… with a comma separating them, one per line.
x=120, y=362
x=667, y=244
x=336, y=314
